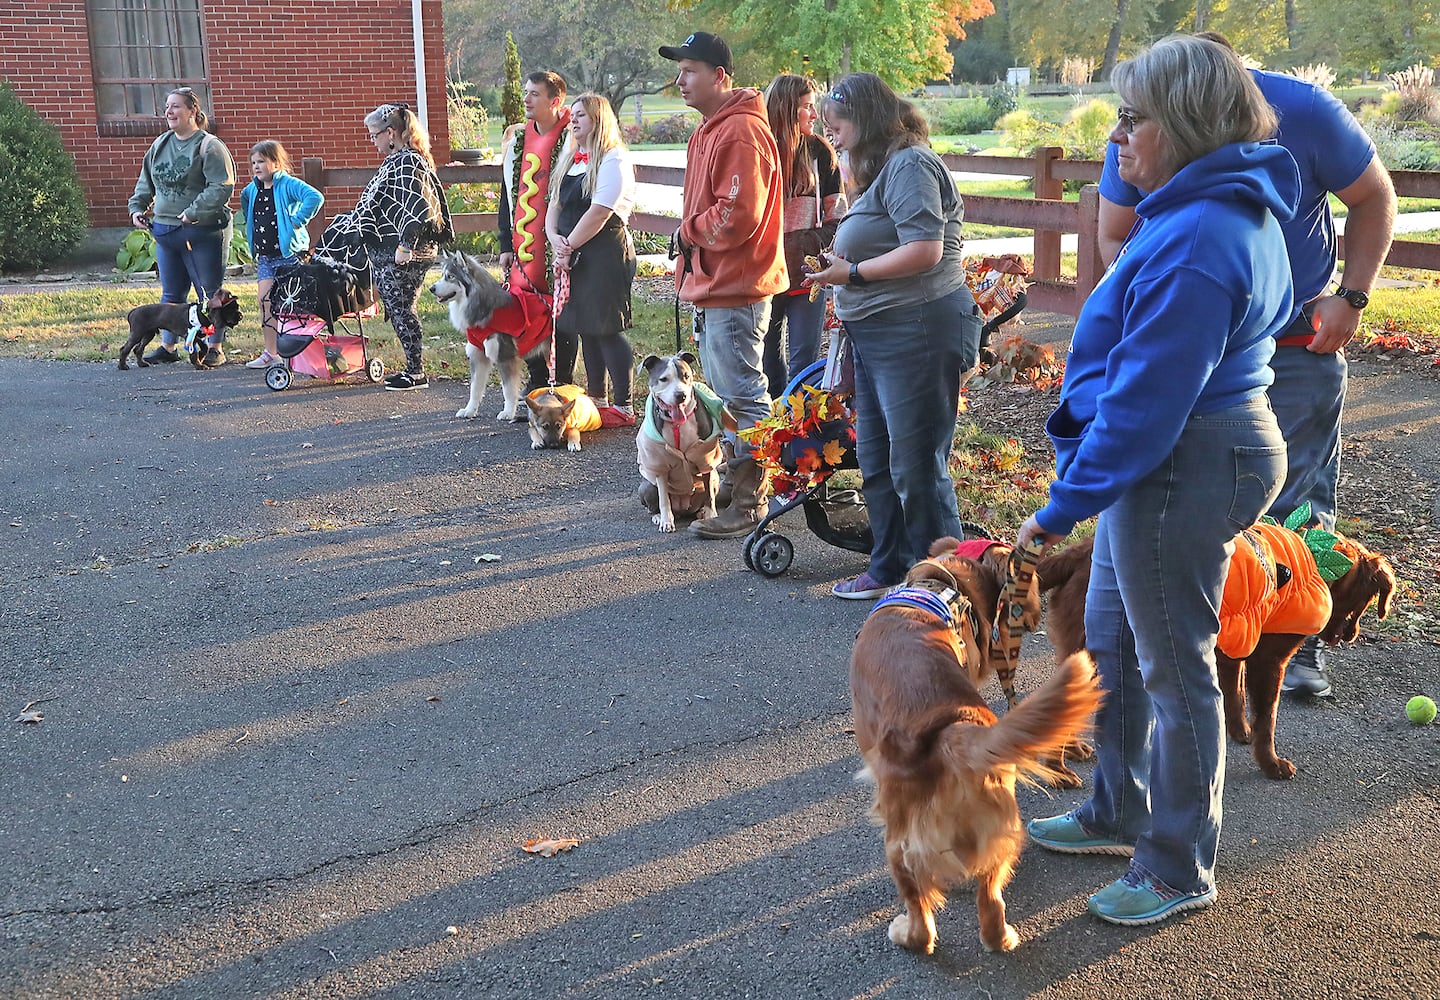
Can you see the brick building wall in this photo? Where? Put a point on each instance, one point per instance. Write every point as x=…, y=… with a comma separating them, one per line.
x=305, y=72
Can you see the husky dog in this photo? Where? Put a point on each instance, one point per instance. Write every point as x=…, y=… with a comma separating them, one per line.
x=475, y=298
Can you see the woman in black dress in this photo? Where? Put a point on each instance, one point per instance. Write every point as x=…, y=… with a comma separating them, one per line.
x=586, y=225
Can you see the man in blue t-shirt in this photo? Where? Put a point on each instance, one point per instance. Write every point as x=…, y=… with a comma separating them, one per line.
x=1335, y=155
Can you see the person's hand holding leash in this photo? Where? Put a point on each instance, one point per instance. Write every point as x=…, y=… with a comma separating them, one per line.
x=1031, y=531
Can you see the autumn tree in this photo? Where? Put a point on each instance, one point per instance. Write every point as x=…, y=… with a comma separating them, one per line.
x=906, y=42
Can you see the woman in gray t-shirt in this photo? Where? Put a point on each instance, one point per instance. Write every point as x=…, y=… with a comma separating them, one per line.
x=901, y=293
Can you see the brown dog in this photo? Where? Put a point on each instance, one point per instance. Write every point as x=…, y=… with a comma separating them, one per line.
x=1065, y=577
x=222, y=310
x=944, y=768
x=985, y=589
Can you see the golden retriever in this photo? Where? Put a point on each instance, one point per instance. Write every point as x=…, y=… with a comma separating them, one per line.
x=944, y=768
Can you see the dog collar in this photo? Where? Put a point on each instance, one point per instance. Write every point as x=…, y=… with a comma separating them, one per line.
x=675, y=416
x=947, y=604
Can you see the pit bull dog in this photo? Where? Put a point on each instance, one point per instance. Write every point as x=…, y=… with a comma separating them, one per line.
x=678, y=442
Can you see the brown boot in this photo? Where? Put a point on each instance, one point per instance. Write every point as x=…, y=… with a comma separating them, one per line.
x=727, y=480
x=749, y=480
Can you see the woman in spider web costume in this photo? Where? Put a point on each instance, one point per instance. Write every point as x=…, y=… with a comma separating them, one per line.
x=402, y=218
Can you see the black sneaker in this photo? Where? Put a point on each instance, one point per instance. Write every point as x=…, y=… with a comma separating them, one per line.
x=214, y=358
x=1306, y=673
x=162, y=356
x=405, y=381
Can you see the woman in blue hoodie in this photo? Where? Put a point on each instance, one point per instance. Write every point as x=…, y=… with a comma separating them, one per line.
x=1164, y=431
x=277, y=207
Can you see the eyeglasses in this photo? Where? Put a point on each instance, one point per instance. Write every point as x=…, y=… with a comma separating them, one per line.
x=375, y=135
x=1129, y=120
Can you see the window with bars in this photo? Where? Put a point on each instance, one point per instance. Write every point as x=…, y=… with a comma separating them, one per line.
x=140, y=50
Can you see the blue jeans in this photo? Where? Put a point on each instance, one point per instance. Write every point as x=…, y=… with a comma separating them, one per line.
x=1152, y=614
x=190, y=257
x=730, y=340
x=1308, y=396
x=908, y=362
x=796, y=323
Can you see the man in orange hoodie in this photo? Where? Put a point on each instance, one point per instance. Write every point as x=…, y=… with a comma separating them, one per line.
x=733, y=260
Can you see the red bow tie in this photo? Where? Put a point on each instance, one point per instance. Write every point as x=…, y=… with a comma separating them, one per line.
x=581, y=156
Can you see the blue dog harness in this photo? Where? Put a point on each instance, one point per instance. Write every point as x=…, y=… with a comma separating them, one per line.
x=921, y=599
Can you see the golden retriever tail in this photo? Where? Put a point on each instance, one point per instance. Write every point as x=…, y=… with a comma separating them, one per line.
x=1054, y=717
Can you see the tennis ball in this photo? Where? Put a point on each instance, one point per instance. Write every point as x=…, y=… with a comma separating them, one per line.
x=1420, y=710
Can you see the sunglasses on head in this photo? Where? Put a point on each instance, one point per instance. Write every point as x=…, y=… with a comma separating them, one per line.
x=1129, y=120
x=835, y=95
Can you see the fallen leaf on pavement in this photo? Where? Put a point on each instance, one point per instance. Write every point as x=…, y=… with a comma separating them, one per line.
x=33, y=715
x=550, y=848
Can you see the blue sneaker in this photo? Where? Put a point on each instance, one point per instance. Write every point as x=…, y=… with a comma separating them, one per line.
x=1067, y=835
x=1141, y=898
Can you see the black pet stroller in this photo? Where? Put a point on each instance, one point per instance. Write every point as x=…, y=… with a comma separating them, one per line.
x=802, y=447
x=319, y=308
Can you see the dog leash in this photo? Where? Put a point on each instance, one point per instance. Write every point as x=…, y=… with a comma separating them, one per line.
x=550, y=315
x=674, y=252
x=1005, y=645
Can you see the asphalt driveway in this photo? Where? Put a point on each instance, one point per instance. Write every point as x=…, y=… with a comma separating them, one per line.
x=316, y=663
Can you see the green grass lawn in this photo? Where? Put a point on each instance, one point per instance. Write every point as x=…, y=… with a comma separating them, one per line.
x=88, y=324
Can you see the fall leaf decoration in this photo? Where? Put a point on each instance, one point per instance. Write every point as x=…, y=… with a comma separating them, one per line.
x=1392, y=337
x=995, y=282
x=548, y=848
x=804, y=440
x=1021, y=362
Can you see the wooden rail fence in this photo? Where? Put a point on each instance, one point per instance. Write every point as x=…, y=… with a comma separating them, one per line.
x=1045, y=214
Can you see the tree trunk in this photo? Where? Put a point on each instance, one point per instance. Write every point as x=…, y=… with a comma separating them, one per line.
x=1202, y=14
x=1292, y=26
x=1112, y=44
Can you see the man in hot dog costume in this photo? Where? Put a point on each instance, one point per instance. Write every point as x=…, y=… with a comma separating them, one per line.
x=531, y=148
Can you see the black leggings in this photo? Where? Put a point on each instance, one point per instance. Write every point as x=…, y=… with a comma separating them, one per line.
x=567, y=349
x=610, y=355
x=399, y=287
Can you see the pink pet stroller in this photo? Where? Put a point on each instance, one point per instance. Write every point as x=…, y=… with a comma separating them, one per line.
x=319, y=308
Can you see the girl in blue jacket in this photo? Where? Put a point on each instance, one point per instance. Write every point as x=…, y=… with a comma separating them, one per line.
x=1165, y=432
x=277, y=208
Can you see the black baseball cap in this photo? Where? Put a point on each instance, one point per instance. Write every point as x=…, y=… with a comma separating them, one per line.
x=705, y=47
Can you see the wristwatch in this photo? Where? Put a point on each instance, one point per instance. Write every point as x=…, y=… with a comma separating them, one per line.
x=856, y=278
x=1356, y=298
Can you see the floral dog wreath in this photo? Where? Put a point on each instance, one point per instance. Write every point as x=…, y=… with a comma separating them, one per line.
x=807, y=437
